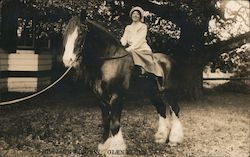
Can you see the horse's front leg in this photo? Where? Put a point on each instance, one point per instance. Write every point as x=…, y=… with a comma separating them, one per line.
x=114, y=145
x=104, y=146
x=105, y=120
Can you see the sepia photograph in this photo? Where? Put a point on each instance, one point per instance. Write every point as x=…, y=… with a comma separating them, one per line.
x=124, y=78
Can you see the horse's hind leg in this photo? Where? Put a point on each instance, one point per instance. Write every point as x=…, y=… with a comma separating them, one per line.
x=176, y=133
x=172, y=101
x=162, y=133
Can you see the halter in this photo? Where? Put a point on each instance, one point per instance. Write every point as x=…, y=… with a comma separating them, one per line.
x=64, y=74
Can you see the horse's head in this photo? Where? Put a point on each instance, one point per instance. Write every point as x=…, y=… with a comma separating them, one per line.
x=73, y=41
x=99, y=44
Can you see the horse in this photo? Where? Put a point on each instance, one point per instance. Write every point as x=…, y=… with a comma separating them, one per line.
x=108, y=70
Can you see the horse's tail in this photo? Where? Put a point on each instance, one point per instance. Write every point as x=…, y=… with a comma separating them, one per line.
x=169, y=66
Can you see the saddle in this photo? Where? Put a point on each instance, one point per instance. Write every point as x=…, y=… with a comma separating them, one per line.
x=164, y=66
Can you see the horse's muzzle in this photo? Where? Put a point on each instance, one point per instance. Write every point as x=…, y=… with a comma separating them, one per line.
x=69, y=61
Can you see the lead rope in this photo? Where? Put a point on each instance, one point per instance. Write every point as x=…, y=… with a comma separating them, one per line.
x=45, y=89
x=42, y=91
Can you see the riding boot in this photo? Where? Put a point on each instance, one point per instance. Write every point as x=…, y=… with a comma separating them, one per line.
x=137, y=70
x=141, y=72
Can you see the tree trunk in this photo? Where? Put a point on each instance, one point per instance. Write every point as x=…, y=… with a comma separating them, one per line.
x=9, y=13
x=1, y=5
x=189, y=81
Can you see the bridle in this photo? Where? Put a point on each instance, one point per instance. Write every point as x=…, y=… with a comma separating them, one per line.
x=78, y=55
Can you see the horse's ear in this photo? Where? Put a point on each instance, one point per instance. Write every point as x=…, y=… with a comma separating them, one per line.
x=83, y=15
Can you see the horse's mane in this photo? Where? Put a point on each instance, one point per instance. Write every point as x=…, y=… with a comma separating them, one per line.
x=101, y=43
x=96, y=27
x=104, y=32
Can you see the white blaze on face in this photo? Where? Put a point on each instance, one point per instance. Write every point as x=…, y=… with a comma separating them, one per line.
x=69, y=56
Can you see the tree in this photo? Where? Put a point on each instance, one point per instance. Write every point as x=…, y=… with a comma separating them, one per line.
x=233, y=61
x=192, y=52
x=179, y=28
x=9, y=23
x=1, y=5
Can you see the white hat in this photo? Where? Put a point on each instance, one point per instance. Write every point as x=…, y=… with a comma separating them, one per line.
x=137, y=9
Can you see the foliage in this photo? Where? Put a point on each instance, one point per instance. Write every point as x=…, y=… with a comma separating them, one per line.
x=236, y=22
x=181, y=28
x=187, y=16
x=234, y=87
x=1, y=4
x=235, y=61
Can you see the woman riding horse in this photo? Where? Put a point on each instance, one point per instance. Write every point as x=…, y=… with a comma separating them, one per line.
x=107, y=69
x=134, y=39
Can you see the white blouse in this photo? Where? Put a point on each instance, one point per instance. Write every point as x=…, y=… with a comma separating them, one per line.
x=135, y=36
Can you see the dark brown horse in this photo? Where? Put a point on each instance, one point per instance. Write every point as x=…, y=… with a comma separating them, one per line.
x=108, y=69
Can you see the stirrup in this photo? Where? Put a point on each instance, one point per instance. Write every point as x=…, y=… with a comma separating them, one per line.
x=143, y=71
x=161, y=86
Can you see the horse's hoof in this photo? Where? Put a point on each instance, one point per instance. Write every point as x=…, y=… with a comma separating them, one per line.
x=101, y=149
x=162, y=134
x=114, y=146
x=160, y=138
x=176, y=134
x=117, y=146
x=172, y=144
x=161, y=141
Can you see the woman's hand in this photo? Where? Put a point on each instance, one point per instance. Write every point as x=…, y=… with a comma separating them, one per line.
x=129, y=49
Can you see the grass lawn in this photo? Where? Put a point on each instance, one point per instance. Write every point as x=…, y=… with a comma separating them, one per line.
x=66, y=123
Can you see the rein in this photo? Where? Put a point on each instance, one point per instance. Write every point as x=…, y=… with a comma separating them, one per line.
x=112, y=58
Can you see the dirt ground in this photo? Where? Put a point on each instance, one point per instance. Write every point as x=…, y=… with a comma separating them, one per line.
x=66, y=122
